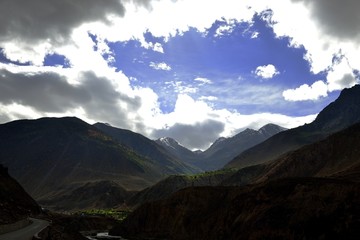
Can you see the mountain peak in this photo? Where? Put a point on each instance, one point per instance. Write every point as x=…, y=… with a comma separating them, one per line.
x=343, y=112
x=249, y=131
x=271, y=129
x=170, y=142
x=102, y=123
x=219, y=140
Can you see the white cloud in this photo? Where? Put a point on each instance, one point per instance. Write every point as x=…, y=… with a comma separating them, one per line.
x=341, y=76
x=190, y=114
x=226, y=28
x=160, y=66
x=266, y=71
x=255, y=35
x=181, y=88
x=157, y=47
x=324, y=28
x=208, y=98
x=306, y=92
x=203, y=80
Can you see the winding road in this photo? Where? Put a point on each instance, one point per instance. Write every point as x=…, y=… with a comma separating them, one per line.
x=27, y=232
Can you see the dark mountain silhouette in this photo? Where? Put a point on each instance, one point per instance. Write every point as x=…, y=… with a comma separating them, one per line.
x=49, y=155
x=223, y=149
x=308, y=208
x=336, y=156
x=15, y=203
x=342, y=113
x=146, y=147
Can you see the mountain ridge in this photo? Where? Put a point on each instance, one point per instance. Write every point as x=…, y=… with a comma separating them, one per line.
x=341, y=113
x=146, y=147
x=223, y=149
x=49, y=155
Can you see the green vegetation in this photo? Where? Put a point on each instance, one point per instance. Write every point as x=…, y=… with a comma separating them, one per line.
x=118, y=215
x=211, y=173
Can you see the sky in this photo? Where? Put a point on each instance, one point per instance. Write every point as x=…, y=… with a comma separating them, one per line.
x=193, y=70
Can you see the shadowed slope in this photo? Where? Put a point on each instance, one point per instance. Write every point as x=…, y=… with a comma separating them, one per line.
x=15, y=203
x=342, y=113
x=53, y=154
x=284, y=209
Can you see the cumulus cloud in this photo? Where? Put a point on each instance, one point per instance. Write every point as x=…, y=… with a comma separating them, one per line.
x=266, y=71
x=341, y=76
x=226, y=28
x=339, y=19
x=325, y=29
x=43, y=23
x=306, y=92
x=157, y=47
x=47, y=92
x=160, y=66
x=39, y=20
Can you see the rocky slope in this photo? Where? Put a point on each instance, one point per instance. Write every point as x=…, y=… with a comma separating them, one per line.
x=15, y=203
x=342, y=113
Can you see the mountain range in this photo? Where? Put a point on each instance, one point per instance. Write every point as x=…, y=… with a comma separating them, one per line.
x=341, y=113
x=301, y=183
x=52, y=155
x=53, y=158
x=222, y=150
x=260, y=169
x=337, y=156
x=312, y=192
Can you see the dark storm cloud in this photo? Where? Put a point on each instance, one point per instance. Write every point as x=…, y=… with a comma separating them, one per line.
x=198, y=136
x=38, y=20
x=104, y=101
x=47, y=92
x=337, y=18
x=4, y=118
x=50, y=92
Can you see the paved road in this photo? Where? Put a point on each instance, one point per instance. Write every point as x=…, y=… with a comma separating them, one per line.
x=26, y=233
